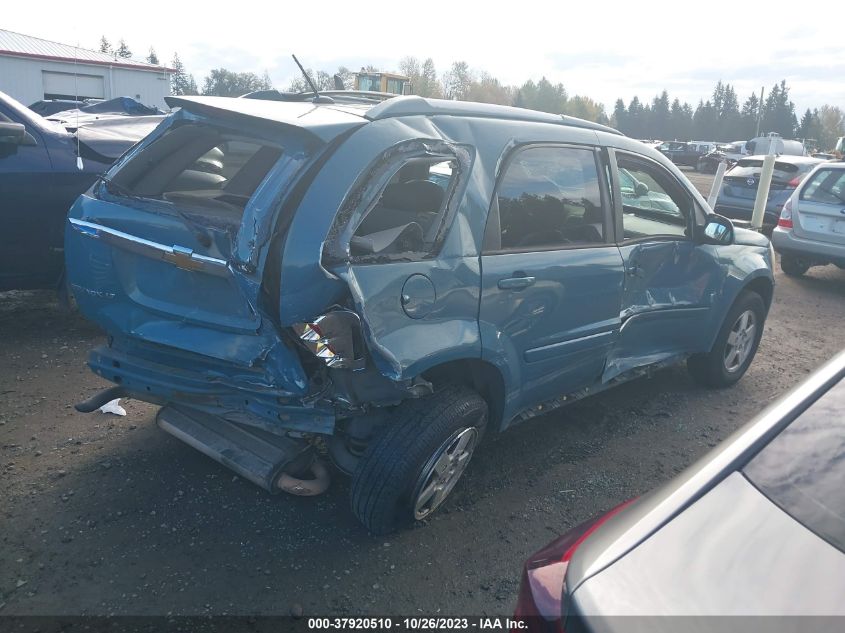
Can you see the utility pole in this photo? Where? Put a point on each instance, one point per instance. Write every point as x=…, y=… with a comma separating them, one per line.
x=760, y=111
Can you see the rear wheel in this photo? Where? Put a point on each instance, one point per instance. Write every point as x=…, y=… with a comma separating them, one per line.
x=793, y=266
x=409, y=470
x=735, y=345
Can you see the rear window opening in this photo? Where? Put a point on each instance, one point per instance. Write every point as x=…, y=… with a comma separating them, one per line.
x=200, y=168
x=408, y=213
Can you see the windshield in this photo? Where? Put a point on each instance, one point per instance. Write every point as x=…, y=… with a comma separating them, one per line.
x=802, y=470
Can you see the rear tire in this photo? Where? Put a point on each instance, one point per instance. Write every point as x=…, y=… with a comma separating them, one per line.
x=735, y=346
x=793, y=266
x=423, y=451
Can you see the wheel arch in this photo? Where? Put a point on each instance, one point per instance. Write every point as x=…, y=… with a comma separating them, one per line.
x=480, y=375
x=763, y=286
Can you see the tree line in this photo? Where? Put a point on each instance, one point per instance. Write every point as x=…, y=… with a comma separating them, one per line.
x=721, y=117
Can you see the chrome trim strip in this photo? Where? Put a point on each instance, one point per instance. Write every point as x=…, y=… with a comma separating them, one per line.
x=179, y=256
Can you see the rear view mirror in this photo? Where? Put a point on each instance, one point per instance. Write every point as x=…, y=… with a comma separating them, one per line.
x=718, y=230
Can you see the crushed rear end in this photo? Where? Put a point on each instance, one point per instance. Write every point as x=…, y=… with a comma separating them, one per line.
x=171, y=254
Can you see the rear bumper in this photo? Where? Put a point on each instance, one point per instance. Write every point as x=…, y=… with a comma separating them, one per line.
x=785, y=241
x=739, y=212
x=242, y=398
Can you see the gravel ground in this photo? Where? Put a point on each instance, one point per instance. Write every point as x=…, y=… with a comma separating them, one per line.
x=107, y=515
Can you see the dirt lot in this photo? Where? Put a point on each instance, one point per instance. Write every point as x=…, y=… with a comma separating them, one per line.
x=102, y=514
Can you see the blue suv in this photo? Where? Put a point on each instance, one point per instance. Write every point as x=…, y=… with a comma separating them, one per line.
x=383, y=282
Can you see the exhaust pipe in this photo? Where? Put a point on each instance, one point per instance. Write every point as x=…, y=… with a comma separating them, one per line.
x=99, y=399
x=270, y=461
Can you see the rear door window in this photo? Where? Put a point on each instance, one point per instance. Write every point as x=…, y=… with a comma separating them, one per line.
x=802, y=470
x=549, y=197
x=409, y=210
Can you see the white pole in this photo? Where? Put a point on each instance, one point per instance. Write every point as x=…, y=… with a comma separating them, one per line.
x=717, y=184
x=763, y=189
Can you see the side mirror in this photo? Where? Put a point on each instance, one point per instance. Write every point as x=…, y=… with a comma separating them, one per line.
x=717, y=230
x=12, y=133
x=641, y=189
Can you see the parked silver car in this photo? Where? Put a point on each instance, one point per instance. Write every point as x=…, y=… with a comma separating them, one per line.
x=811, y=228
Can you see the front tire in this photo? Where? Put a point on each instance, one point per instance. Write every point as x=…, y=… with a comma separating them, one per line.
x=409, y=470
x=793, y=266
x=735, y=345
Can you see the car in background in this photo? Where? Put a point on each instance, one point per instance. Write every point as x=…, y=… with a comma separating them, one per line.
x=811, y=227
x=683, y=153
x=754, y=528
x=729, y=153
x=397, y=278
x=46, y=107
x=39, y=180
x=739, y=187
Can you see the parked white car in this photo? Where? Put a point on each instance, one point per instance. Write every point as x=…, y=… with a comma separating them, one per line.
x=811, y=228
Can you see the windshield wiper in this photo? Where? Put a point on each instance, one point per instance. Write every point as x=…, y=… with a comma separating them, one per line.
x=198, y=230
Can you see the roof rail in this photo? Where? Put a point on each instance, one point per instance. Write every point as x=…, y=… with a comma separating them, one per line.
x=415, y=105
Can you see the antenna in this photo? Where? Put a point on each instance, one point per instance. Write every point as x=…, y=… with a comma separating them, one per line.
x=318, y=98
x=79, y=164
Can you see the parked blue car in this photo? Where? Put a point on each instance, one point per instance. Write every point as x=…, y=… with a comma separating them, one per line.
x=392, y=280
x=739, y=188
x=39, y=181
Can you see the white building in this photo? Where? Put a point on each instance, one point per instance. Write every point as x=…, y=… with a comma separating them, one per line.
x=32, y=69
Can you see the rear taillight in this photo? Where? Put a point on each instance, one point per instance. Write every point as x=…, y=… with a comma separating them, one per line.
x=794, y=182
x=541, y=602
x=335, y=338
x=785, y=219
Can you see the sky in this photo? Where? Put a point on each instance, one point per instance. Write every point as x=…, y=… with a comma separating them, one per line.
x=603, y=50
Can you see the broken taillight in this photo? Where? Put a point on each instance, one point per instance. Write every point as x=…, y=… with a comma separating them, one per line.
x=335, y=338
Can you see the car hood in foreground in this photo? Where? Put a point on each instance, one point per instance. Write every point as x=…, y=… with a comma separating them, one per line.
x=733, y=552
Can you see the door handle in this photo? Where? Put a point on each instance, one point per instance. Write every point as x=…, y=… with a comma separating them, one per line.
x=515, y=283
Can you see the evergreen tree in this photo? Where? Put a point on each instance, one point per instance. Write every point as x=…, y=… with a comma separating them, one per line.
x=705, y=121
x=105, y=45
x=152, y=58
x=181, y=83
x=779, y=112
x=659, y=119
x=619, y=118
x=123, y=50
x=750, y=113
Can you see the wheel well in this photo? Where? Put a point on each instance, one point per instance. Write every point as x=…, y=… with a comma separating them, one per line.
x=483, y=377
x=762, y=287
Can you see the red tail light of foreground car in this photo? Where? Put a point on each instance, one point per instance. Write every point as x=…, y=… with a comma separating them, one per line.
x=538, y=604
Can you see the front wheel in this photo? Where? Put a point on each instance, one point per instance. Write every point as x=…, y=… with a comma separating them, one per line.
x=409, y=470
x=735, y=346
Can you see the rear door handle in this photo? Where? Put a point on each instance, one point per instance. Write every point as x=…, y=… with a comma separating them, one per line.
x=515, y=283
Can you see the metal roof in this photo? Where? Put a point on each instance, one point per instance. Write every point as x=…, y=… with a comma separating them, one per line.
x=19, y=45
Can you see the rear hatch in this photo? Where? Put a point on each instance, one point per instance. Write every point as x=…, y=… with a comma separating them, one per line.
x=168, y=250
x=744, y=179
x=820, y=212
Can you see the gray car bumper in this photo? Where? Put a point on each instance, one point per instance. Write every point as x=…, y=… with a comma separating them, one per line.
x=785, y=241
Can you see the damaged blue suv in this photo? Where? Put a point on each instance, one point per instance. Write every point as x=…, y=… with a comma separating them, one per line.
x=384, y=282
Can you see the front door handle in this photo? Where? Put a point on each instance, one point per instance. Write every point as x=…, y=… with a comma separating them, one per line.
x=516, y=283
